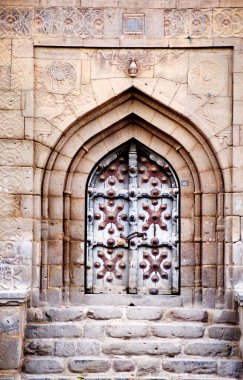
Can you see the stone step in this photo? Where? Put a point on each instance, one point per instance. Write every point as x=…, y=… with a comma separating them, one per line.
x=126, y=330
x=132, y=343
x=166, y=366
x=179, y=377
x=68, y=314
x=84, y=346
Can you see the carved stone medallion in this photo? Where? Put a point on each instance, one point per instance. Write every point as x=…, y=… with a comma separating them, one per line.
x=206, y=78
x=59, y=77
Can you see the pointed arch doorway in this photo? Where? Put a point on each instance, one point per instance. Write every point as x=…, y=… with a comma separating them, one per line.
x=132, y=234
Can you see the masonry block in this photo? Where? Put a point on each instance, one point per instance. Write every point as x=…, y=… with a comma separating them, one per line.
x=177, y=330
x=147, y=313
x=40, y=347
x=190, y=366
x=208, y=349
x=123, y=365
x=10, y=353
x=54, y=330
x=224, y=332
x=41, y=365
x=128, y=331
x=141, y=348
x=89, y=365
x=104, y=313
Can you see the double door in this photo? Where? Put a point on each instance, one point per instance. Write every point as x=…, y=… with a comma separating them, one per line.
x=132, y=240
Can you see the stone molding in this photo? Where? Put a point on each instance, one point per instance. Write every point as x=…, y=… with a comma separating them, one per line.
x=75, y=22
x=14, y=297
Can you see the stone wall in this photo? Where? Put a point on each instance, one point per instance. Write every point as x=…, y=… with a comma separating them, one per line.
x=132, y=342
x=67, y=98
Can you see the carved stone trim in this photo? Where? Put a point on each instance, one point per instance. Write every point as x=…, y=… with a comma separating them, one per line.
x=14, y=297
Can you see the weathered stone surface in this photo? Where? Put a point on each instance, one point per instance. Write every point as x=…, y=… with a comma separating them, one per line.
x=104, y=313
x=208, y=348
x=224, y=332
x=148, y=367
x=65, y=348
x=43, y=365
x=64, y=314
x=177, y=330
x=9, y=321
x=225, y=316
x=88, y=347
x=10, y=353
x=128, y=331
x=189, y=315
x=54, y=330
x=39, y=347
x=141, y=348
x=190, y=366
x=94, y=330
x=149, y=313
x=89, y=365
x=233, y=368
x=123, y=365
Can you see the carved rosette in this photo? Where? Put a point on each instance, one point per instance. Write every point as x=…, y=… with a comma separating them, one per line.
x=206, y=78
x=59, y=77
x=228, y=22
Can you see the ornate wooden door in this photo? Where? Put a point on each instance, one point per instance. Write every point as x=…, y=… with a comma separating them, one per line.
x=132, y=224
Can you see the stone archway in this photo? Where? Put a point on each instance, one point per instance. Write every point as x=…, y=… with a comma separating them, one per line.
x=133, y=115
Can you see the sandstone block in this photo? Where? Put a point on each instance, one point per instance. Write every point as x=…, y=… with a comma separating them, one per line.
x=209, y=297
x=209, y=276
x=55, y=275
x=54, y=296
x=190, y=366
x=208, y=349
x=65, y=348
x=88, y=347
x=63, y=314
x=123, y=366
x=93, y=330
x=148, y=367
x=141, y=348
x=10, y=353
x=187, y=254
x=39, y=347
x=187, y=276
x=177, y=330
x=224, y=332
x=232, y=368
x=9, y=321
x=225, y=316
x=189, y=315
x=54, y=330
x=104, y=313
x=89, y=365
x=149, y=313
x=128, y=331
x=43, y=365
x=210, y=251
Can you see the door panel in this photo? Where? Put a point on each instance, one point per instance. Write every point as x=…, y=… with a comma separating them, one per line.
x=132, y=226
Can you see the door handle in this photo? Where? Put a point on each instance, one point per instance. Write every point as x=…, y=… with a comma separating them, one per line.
x=131, y=236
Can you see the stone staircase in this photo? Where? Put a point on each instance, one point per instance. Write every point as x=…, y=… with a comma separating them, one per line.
x=131, y=343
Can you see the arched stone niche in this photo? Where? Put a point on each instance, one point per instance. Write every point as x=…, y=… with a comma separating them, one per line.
x=132, y=115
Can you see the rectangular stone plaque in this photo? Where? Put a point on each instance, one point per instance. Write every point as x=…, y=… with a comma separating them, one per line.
x=133, y=23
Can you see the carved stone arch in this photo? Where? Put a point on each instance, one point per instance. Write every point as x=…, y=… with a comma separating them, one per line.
x=132, y=115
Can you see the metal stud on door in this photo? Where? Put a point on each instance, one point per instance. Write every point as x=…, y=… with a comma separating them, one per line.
x=132, y=224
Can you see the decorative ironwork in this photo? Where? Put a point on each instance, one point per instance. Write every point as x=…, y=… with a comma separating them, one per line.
x=132, y=224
